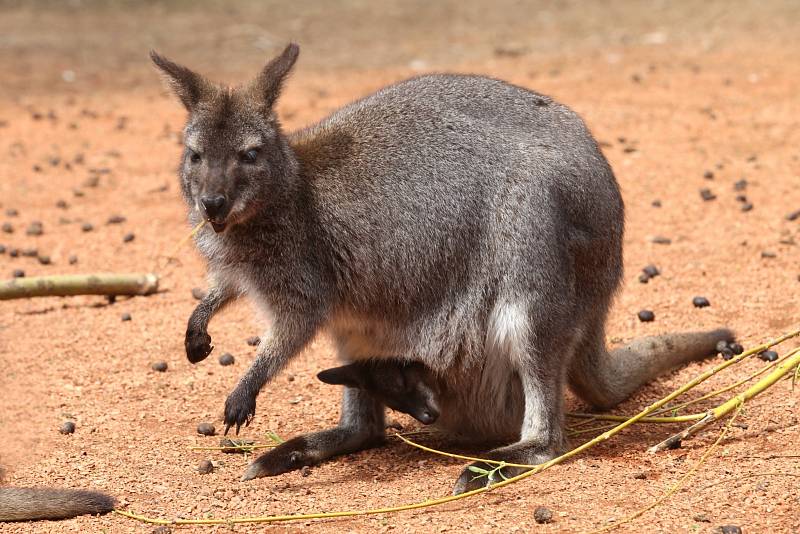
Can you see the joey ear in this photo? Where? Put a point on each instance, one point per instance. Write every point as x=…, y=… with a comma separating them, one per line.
x=190, y=87
x=267, y=86
x=347, y=375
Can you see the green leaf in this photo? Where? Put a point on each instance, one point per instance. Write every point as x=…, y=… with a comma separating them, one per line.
x=479, y=470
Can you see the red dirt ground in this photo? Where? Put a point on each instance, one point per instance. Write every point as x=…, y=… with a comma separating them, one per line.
x=671, y=89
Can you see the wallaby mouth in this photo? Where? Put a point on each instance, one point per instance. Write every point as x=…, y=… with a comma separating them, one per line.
x=218, y=226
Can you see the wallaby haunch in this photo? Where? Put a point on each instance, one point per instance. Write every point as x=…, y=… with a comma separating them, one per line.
x=406, y=387
x=457, y=221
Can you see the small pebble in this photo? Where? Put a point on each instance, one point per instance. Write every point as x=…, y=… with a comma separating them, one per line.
x=741, y=198
x=30, y=252
x=660, y=240
x=646, y=316
x=768, y=254
x=706, y=194
x=126, y=316
x=8, y=228
x=160, y=367
x=701, y=518
x=226, y=359
x=747, y=206
x=2, y=249
x=163, y=529
x=127, y=238
x=87, y=227
x=11, y=212
x=206, y=429
x=205, y=467
x=73, y=259
x=640, y=475
x=13, y=252
x=253, y=341
x=656, y=203
x=793, y=216
x=67, y=427
x=62, y=204
x=729, y=529
x=700, y=302
x=741, y=185
x=768, y=355
x=18, y=273
x=543, y=515
x=708, y=175
x=198, y=293
x=643, y=278
x=43, y=259
x=116, y=219
x=35, y=228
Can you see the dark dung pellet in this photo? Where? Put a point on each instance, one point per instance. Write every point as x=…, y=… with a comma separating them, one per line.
x=87, y=227
x=62, y=204
x=643, y=278
x=116, y=219
x=700, y=302
x=13, y=252
x=73, y=259
x=661, y=240
x=646, y=316
x=35, y=228
x=205, y=467
x=2, y=249
x=737, y=348
x=44, y=259
x=8, y=228
x=747, y=206
x=793, y=216
x=127, y=238
x=206, y=429
x=542, y=515
x=67, y=427
x=30, y=252
x=741, y=185
x=656, y=203
x=651, y=271
x=18, y=273
x=706, y=194
x=226, y=359
x=253, y=341
x=708, y=175
x=12, y=212
x=159, y=366
x=768, y=254
x=768, y=355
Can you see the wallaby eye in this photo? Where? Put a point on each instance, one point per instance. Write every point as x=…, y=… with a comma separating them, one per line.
x=249, y=157
x=194, y=157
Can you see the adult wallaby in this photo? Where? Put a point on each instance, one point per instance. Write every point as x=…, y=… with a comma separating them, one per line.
x=407, y=387
x=458, y=221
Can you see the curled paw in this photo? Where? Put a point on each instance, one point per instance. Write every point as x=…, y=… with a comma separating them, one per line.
x=198, y=346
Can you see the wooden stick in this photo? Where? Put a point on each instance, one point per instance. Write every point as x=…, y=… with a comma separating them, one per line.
x=79, y=284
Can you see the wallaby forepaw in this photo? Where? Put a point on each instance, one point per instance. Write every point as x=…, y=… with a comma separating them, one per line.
x=287, y=456
x=240, y=408
x=198, y=346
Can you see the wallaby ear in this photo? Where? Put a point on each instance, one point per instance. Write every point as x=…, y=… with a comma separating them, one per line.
x=268, y=85
x=347, y=375
x=190, y=87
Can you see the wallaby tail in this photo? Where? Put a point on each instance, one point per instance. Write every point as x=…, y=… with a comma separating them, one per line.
x=605, y=379
x=27, y=504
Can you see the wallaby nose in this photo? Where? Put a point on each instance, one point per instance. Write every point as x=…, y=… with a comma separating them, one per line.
x=213, y=204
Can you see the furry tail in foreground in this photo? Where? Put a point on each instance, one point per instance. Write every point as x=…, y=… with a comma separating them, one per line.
x=27, y=504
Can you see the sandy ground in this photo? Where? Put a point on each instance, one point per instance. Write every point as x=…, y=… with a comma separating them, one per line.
x=672, y=90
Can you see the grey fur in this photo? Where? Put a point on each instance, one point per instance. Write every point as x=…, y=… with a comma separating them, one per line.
x=28, y=504
x=457, y=221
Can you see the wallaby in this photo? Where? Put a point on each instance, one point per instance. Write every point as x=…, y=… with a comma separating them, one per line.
x=457, y=221
x=406, y=387
x=29, y=504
